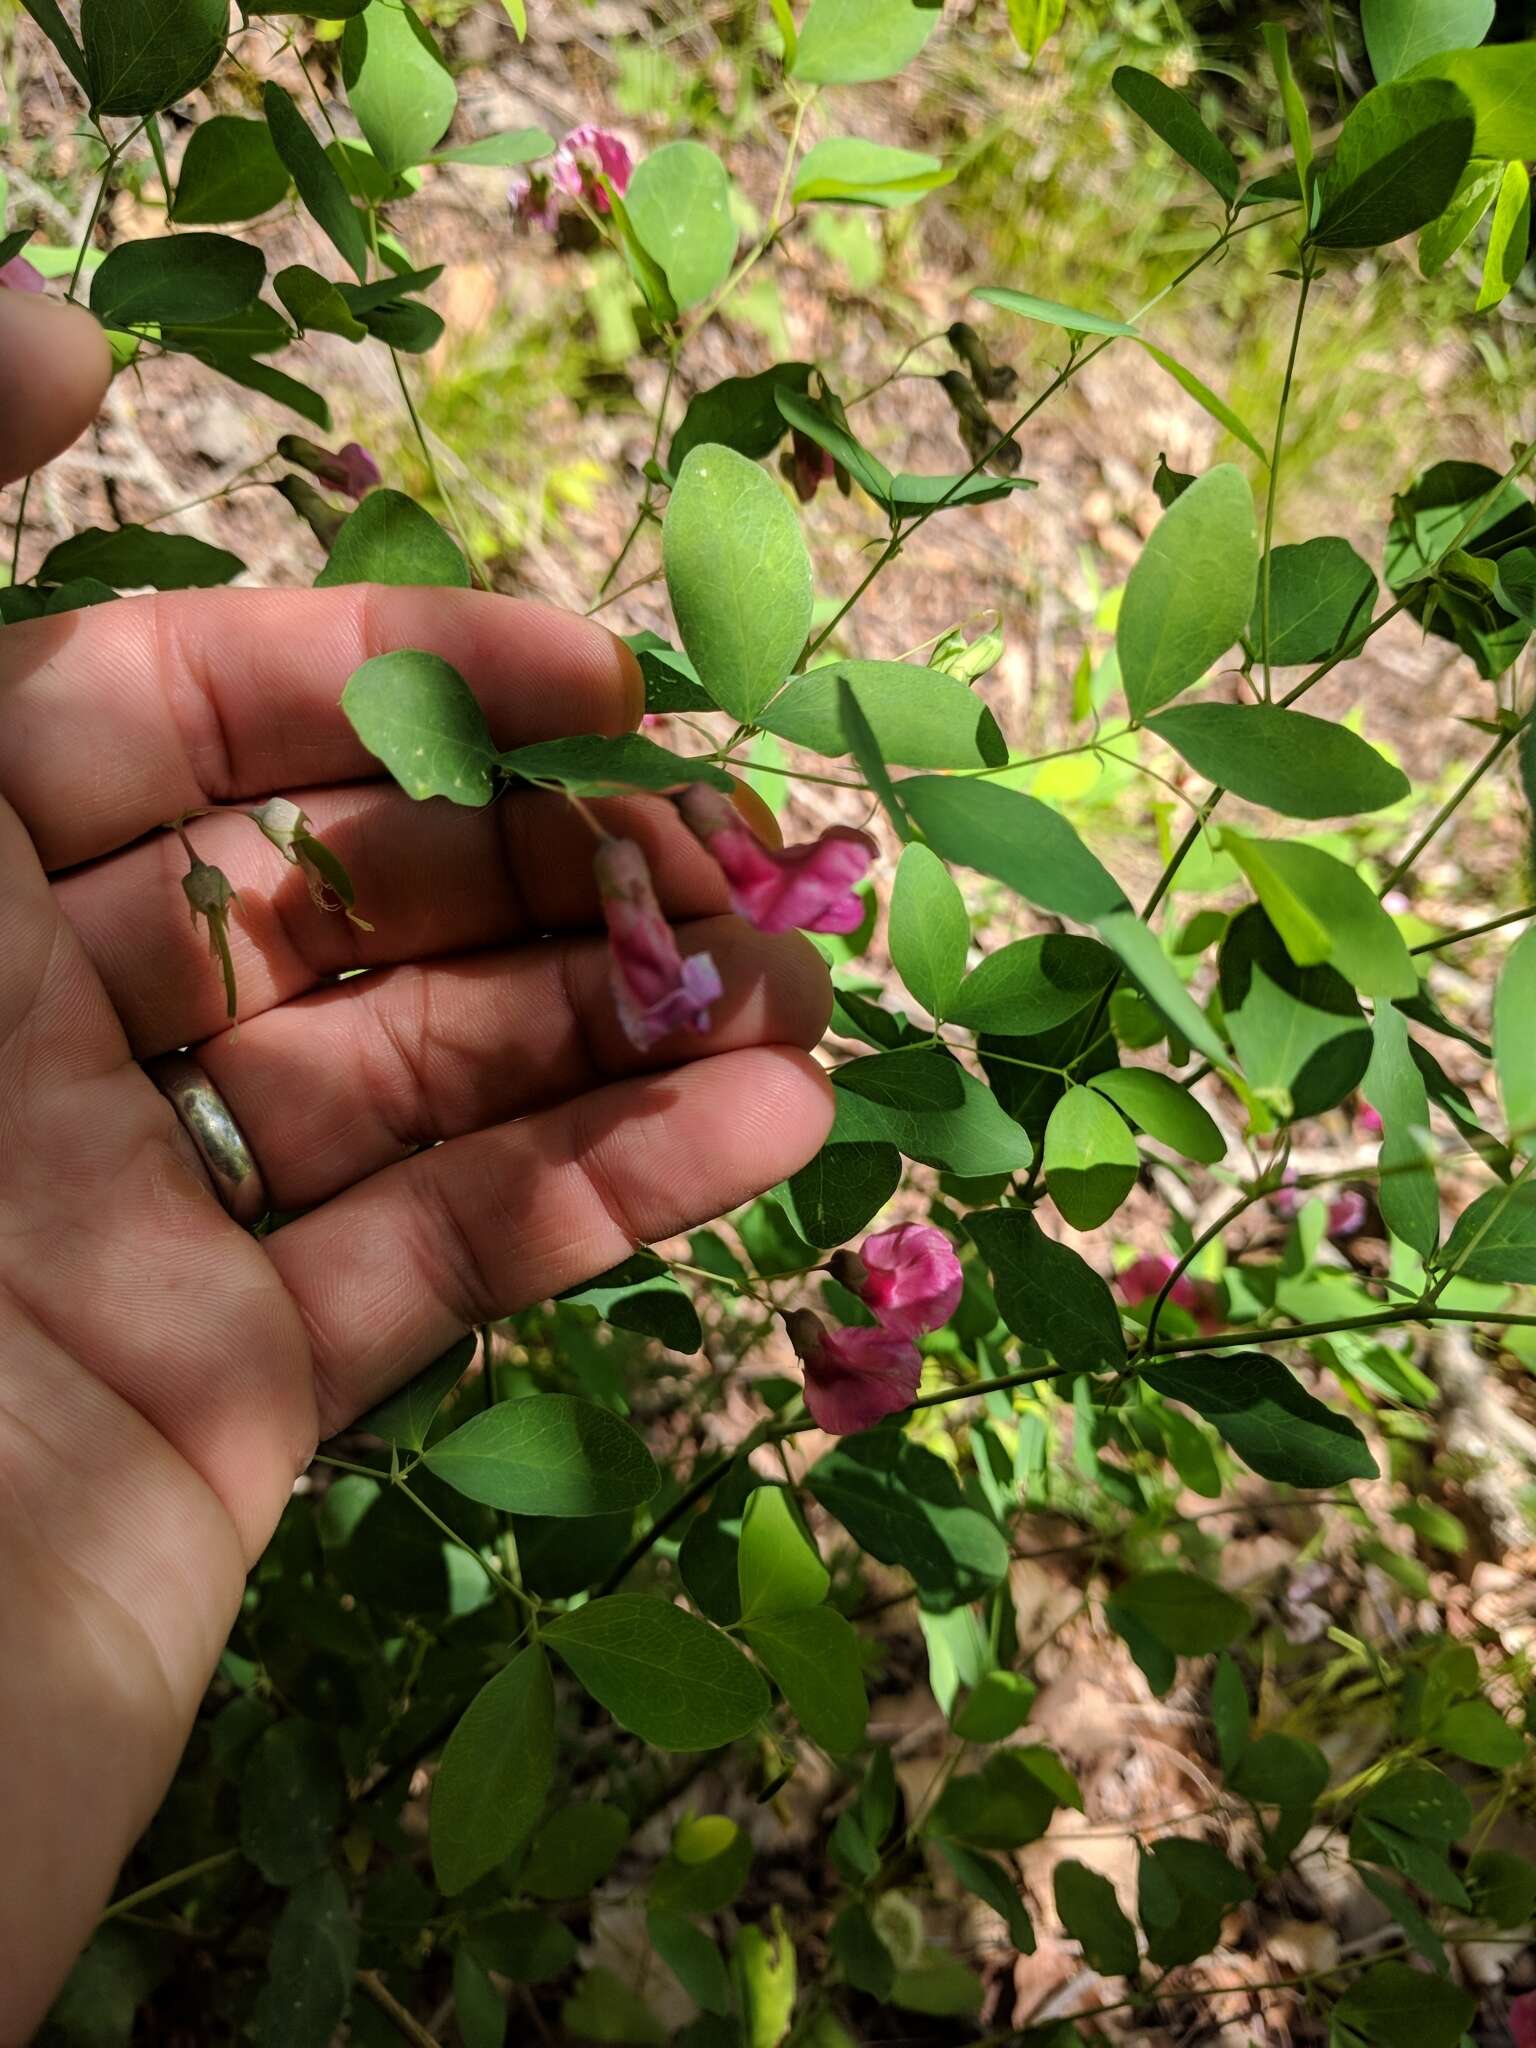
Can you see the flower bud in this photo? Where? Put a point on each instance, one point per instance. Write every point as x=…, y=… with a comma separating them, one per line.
x=286, y=826
x=351, y=469
x=212, y=897
x=978, y=429
x=992, y=380
x=322, y=518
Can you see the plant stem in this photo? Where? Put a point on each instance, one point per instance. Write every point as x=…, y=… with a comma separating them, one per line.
x=1244, y=1202
x=1453, y=803
x=497, y=1577
x=373, y=1987
x=449, y=505
x=1273, y=495
x=130, y=1900
x=694, y=1491
x=1475, y=931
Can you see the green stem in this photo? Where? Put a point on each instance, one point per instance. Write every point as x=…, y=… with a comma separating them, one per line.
x=448, y=503
x=1273, y=496
x=496, y=1576
x=1244, y=1202
x=1453, y=803
x=1475, y=931
x=177, y=1878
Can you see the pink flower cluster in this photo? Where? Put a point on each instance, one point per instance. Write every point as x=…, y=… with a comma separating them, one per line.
x=659, y=991
x=909, y=1279
x=586, y=155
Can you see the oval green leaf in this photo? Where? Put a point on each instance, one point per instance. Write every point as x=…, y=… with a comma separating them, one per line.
x=495, y=1774
x=1091, y=1161
x=679, y=205
x=920, y=717
x=1399, y=158
x=422, y=720
x=1300, y=766
x=548, y=1454
x=1190, y=594
x=398, y=86
x=662, y=1673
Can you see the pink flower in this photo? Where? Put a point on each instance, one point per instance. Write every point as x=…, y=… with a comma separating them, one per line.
x=1346, y=1214
x=809, y=887
x=20, y=276
x=908, y=1277
x=1142, y=1280
x=585, y=155
x=1368, y=1120
x=853, y=1378
x=1522, y=2020
x=351, y=469
x=656, y=990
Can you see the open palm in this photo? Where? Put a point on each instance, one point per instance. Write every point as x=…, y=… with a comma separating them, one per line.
x=163, y=1375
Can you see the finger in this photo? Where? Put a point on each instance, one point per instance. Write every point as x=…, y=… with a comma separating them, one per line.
x=55, y=367
x=118, y=717
x=330, y=1089
x=388, y=1275
x=433, y=879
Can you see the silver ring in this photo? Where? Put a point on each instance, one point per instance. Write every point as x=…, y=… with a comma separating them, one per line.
x=208, y=1122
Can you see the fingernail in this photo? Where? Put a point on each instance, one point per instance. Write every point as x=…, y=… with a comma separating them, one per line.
x=757, y=815
x=632, y=681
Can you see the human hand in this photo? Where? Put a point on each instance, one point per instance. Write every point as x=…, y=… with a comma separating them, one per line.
x=164, y=1375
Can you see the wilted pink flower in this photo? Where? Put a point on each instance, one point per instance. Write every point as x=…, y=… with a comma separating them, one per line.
x=853, y=1378
x=656, y=990
x=1522, y=2020
x=1142, y=1280
x=20, y=276
x=908, y=1277
x=351, y=469
x=807, y=466
x=809, y=887
x=1346, y=1214
x=586, y=155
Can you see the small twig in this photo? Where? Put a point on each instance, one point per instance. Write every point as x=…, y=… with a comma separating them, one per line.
x=409, y=2028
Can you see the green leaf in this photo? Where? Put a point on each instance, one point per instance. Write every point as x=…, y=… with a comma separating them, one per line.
x=1184, y=1890
x=230, y=172
x=591, y=765
x=903, y=1505
x=663, y=1674
x=1031, y=985
x=1158, y=1105
x=170, y=280
x=997, y=1707
x=739, y=577
x=1478, y=1733
x=995, y=1887
x=1091, y=1161
x=318, y=182
x=813, y=1658
x=679, y=205
x=866, y=173
x=398, y=86
x=1515, y=583
x=1324, y=912
x=766, y=1977
x=1034, y=22
x=1009, y=1802
x=405, y=1418
x=859, y=1953
x=851, y=42
x=642, y=1295
x=826, y=423
x=141, y=55
x=500, y=152
x=1047, y=1294
x=547, y=1454
x=1509, y=238
x=1142, y=955
x=1321, y=595
x=574, y=1850
x=479, y=2009
x=1299, y=1031
x=1169, y=114
x=316, y=305
x=1396, y=2006
x=1500, y=82
x=495, y=1774
x=1300, y=766
x=1474, y=194
x=920, y=717
x=693, y=1959
x=1396, y=164
x=1298, y=126
x=1495, y=1238
x=1230, y=1715
x=517, y=14
x=739, y=413
x=1185, y=1613
x=907, y=495
x=1028, y=307
x=390, y=539
x=1016, y=839
x=707, y=1867
x=1503, y=1887
x=776, y=1561
x=1207, y=399
x=273, y=384
x=310, y=1965
x=291, y=1799
x=842, y=1189
x=1275, y=1426
x=421, y=719
x=138, y=558
x=1514, y=1041
x=1400, y=34
x=1089, y=1910
x=930, y=930
x=603, y=2008
x=1279, y=1770
x=1189, y=597
x=1407, y=1193
x=931, y=1109
x=860, y=741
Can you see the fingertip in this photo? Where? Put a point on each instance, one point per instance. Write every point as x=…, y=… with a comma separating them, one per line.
x=56, y=365
x=631, y=682
x=751, y=807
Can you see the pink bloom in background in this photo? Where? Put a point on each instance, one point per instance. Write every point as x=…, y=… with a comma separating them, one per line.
x=909, y=1277
x=585, y=155
x=853, y=1378
x=20, y=276
x=1347, y=1214
x=1522, y=2020
x=1142, y=1281
x=360, y=473
x=809, y=887
x=1368, y=1120
x=656, y=990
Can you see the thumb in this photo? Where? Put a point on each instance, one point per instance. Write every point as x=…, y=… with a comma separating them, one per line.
x=54, y=370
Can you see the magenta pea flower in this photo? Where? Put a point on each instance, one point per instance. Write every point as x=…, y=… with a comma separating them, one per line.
x=807, y=887
x=807, y=466
x=908, y=1278
x=656, y=990
x=853, y=1378
x=1368, y=1121
x=1347, y=1214
x=351, y=470
x=1142, y=1281
x=586, y=156
x=21, y=276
